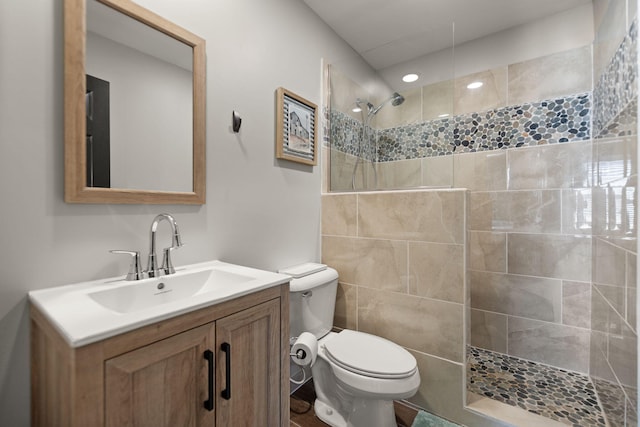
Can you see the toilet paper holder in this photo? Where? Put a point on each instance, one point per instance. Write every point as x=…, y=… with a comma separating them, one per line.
x=300, y=354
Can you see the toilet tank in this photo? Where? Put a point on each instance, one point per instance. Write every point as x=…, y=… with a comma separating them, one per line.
x=312, y=299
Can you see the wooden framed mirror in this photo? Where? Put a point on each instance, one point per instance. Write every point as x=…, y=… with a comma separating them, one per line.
x=154, y=154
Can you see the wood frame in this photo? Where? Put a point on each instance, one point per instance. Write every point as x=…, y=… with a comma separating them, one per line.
x=285, y=101
x=75, y=190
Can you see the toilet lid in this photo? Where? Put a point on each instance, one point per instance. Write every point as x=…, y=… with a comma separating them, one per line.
x=370, y=355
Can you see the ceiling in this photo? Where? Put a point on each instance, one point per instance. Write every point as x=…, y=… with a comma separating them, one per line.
x=390, y=32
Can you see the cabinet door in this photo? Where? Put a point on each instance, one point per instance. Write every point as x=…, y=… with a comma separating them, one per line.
x=248, y=367
x=162, y=384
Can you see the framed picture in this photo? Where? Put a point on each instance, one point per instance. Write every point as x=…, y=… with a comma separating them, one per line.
x=296, y=128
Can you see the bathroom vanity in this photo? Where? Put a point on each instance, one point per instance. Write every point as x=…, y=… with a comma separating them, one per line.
x=221, y=360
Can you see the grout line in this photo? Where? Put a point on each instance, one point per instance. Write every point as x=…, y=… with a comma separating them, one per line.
x=624, y=319
x=506, y=338
x=527, y=318
x=408, y=270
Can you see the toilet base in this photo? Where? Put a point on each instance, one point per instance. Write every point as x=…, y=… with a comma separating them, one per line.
x=363, y=413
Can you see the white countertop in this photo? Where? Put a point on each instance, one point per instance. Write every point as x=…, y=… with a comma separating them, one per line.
x=75, y=310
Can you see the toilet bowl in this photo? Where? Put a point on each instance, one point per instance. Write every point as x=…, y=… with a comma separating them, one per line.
x=356, y=375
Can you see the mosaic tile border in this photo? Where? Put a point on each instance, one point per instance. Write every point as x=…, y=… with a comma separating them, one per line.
x=546, y=122
x=564, y=396
x=613, y=106
x=346, y=134
x=624, y=124
x=616, y=87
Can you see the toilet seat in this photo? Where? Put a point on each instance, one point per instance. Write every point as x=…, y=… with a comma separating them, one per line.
x=369, y=355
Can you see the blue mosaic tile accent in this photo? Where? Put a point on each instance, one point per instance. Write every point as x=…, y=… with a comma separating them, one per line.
x=624, y=124
x=346, y=134
x=616, y=90
x=547, y=122
x=428, y=139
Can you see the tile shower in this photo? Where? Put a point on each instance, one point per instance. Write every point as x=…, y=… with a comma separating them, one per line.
x=533, y=262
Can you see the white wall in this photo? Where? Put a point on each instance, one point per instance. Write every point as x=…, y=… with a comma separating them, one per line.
x=260, y=212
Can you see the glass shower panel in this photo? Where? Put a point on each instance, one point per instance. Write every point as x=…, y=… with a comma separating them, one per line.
x=397, y=135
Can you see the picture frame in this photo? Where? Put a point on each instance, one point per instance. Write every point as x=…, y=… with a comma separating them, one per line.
x=296, y=128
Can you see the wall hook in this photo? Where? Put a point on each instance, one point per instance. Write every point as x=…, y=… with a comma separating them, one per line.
x=236, y=121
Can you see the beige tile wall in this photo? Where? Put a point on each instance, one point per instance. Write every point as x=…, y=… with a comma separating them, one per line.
x=542, y=78
x=614, y=288
x=560, y=74
x=614, y=338
x=528, y=267
x=402, y=257
x=401, y=260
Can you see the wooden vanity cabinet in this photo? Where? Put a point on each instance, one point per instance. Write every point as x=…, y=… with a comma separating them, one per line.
x=162, y=374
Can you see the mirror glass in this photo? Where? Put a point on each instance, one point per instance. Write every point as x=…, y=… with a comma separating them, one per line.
x=135, y=129
x=144, y=79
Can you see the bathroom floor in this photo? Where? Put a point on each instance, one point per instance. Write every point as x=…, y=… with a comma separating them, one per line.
x=302, y=414
x=564, y=396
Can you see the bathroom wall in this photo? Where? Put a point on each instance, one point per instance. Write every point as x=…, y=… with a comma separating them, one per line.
x=545, y=100
x=250, y=195
x=614, y=339
x=531, y=214
x=401, y=259
x=529, y=209
x=522, y=145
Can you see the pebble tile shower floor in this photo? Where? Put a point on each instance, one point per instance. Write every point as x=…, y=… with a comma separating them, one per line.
x=564, y=396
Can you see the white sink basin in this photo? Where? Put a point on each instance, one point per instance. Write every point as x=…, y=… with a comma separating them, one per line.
x=143, y=294
x=91, y=311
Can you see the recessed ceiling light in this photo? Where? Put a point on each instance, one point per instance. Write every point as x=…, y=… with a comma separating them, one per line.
x=474, y=85
x=409, y=78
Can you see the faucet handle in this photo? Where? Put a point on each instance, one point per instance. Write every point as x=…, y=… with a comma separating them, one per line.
x=167, y=265
x=135, y=270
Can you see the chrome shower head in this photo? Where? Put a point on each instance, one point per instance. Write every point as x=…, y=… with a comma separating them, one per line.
x=396, y=99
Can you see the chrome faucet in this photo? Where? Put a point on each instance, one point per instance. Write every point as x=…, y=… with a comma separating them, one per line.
x=135, y=271
x=176, y=242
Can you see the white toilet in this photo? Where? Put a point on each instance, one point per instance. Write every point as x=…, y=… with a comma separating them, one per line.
x=356, y=375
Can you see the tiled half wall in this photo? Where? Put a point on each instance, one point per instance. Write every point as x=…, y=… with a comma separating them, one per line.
x=401, y=261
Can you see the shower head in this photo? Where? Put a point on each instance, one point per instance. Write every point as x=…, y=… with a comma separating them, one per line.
x=396, y=99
